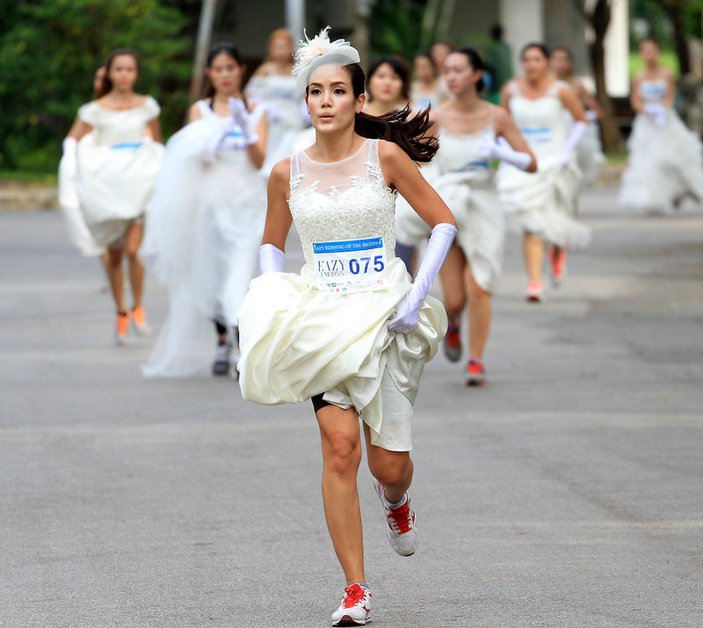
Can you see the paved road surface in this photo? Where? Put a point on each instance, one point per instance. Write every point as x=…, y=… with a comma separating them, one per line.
x=569, y=492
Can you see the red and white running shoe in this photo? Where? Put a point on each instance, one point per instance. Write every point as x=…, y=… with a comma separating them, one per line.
x=557, y=258
x=475, y=373
x=355, y=609
x=401, y=531
x=535, y=291
x=452, y=343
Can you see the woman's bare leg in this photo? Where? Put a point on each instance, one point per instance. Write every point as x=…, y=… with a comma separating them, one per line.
x=341, y=456
x=133, y=240
x=533, y=249
x=479, y=315
x=115, y=276
x=393, y=469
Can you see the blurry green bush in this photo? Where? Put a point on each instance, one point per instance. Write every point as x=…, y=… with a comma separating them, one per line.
x=49, y=51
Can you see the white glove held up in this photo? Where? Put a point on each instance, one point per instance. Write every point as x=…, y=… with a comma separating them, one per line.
x=405, y=319
x=575, y=135
x=271, y=259
x=657, y=112
x=499, y=148
x=244, y=120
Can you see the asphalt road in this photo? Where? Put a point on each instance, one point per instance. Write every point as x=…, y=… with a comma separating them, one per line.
x=567, y=492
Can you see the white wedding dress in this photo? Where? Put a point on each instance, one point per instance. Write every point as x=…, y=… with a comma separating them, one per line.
x=544, y=202
x=666, y=162
x=203, y=231
x=116, y=168
x=312, y=333
x=466, y=184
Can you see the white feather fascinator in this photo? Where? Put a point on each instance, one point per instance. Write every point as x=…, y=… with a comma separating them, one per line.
x=312, y=53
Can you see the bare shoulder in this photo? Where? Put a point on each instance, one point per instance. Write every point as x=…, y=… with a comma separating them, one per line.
x=390, y=152
x=501, y=116
x=194, y=112
x=280, y=174
x=667, y=73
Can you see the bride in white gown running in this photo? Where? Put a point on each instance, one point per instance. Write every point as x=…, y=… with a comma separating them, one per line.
x=350, y=332
x=666, y=159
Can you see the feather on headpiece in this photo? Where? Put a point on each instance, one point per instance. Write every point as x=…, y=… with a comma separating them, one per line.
x=312, y=53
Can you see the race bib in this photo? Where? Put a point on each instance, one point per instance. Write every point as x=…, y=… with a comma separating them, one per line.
x=345, y=266
x=537, y=135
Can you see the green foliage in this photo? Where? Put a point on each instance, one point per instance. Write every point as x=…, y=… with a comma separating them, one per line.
x=49, y=53
x=396, y=28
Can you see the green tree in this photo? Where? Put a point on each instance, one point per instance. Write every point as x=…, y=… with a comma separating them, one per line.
x=50, y=51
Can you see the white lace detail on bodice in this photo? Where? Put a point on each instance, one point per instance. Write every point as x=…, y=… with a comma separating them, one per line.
x=347, y=199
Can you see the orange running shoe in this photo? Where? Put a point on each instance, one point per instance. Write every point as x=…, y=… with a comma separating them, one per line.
x=139, y=323
x=535, y=290
x=452, y=343
x=122, y=328
x=475, y=373
x=557, y=258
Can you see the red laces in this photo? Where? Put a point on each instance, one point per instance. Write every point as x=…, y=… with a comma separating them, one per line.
x=355, y=594
x=401, y=517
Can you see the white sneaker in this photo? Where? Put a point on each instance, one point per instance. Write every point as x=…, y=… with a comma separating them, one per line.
x=355, y=609
x=401, y=531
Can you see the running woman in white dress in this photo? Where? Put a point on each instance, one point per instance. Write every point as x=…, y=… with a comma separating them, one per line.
x=273, y=85
x=544, y=203
x=205, y=222
x=350, y=331
x=471, y=133
x=387, y=86
x=666, y=158
x=589, y=152
x=427, y=88
x=118, y=155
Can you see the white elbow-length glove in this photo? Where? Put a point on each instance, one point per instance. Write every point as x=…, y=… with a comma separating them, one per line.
x=575, y=136
x=500, y=148
x=244, y=120
x=657, y=112
x=405, y=319
x=271, y=259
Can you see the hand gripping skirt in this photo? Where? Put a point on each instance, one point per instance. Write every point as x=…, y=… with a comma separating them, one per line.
x=298, y=341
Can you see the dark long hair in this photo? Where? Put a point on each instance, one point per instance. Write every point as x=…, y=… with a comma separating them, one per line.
x=218, y=49
x=476, y=62
x=399, y=67
x=538, y=46
x=404, y=128
x=106, y=86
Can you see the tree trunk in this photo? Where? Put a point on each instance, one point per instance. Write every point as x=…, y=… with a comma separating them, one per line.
x=599, y=19
x=612, y=138
x=674, y=9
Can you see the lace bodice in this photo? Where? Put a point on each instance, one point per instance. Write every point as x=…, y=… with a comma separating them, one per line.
x=346, y=199
x=541, y=120
x=653, y=91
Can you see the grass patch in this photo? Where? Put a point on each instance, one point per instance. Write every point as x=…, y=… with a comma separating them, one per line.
x=667, y=59
x=617, y=157
x=28, y=178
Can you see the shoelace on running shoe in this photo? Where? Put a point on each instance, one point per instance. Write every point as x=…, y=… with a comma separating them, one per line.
x=400, y=518
x=354, y=594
